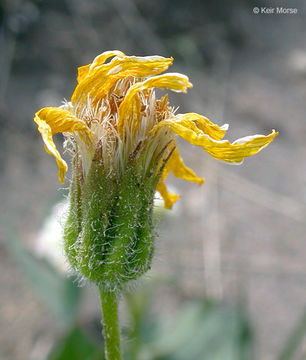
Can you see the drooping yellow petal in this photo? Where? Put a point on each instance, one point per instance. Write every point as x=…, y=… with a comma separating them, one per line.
x=99, y=60
x=180, y=170
x=54, y=120
x=61, y=120
x=127, y=116
x=50, y=147
x=100, y=79
x=220, y=149
x=214, y=131
x=169, y=198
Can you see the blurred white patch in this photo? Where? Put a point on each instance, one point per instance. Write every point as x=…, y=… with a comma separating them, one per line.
x=49, y=241
x=158, y=201
x=297, y=61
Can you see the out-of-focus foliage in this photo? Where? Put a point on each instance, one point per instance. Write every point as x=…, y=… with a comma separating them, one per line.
x=59, y=293
x=76, y=346
x=201, y=330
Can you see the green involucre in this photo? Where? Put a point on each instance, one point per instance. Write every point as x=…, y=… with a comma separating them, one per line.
x=109, y=230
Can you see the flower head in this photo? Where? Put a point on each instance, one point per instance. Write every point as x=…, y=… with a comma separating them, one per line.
x=114, y=108
x=123, y=143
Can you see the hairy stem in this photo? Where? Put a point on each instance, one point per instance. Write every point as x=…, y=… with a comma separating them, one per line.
x=111, y=329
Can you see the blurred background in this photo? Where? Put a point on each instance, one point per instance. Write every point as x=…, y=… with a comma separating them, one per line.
x=229, y=276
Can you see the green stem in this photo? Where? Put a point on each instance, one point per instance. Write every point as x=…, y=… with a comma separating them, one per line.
x=111, y=330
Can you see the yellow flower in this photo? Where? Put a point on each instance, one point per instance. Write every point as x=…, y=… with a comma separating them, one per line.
x=114, y=109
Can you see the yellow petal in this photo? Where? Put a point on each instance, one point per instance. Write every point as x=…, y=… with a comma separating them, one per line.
x=100, y=79
x=127, y=115
x=220, y=149
x=82, y=72
x=214, y=131
x=60, y=120
x=54, y=120
x=169, y=199
x=99, y=60
x=180, y=170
